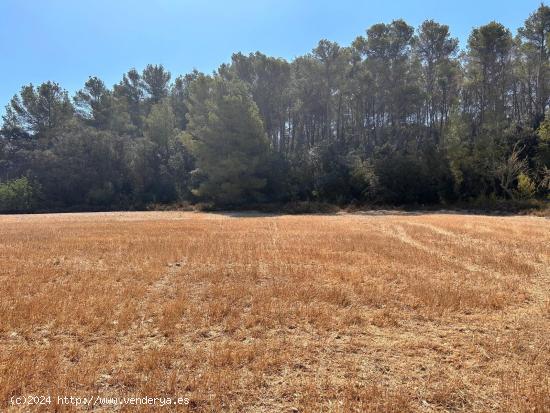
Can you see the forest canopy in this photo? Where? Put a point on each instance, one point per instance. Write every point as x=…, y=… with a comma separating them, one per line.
x=400, y=116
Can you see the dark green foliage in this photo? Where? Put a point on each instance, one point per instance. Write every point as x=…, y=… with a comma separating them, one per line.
x=94, y=104
x=84, y=166
x=407, y=179
x=155, y=82
x=35, y=112
x=227, y=138
x=400, y=116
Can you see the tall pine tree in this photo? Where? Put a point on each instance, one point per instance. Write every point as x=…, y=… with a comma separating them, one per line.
x=226, y=135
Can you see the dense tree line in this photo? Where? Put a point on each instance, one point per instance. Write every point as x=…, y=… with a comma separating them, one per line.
x=399, y=116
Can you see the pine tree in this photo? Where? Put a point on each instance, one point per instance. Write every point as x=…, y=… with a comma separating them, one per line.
x=227, y=137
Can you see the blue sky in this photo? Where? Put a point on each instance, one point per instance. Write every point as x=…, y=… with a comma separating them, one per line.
x=68, y=40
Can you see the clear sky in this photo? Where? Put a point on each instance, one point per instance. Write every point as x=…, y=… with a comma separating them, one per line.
x=68, y=40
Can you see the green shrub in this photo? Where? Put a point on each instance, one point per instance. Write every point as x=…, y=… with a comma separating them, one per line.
x=526, y=186
x=16, y=195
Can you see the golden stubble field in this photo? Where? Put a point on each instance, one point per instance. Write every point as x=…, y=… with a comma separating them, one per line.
x=244, y=313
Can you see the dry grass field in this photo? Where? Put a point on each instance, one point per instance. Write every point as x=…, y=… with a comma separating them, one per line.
x=243, y=313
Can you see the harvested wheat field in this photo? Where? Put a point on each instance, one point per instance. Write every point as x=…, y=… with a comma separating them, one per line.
x=251, y=313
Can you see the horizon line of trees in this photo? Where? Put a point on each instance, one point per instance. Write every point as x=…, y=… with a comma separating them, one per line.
x=399, y=116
